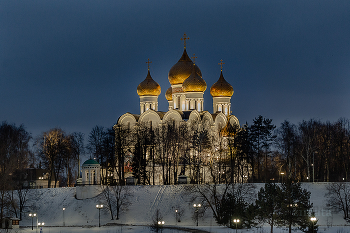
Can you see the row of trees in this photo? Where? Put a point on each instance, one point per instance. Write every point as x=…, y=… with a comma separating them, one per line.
x=260, y=152
x=285, y=204
x=309, y=151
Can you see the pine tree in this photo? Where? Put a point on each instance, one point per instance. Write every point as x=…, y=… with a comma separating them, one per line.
x=267, y=203
x=294, y=205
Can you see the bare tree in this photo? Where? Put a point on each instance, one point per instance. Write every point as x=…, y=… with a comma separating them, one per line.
x=338, y=198
x=122, y=196
x=14, y=154
x=225, y=201
x=58, y=152
x=108, y=199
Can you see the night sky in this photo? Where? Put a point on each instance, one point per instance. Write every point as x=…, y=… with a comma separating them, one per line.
x=76, y=64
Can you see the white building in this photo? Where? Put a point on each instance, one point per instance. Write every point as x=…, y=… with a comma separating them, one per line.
x=185, y=100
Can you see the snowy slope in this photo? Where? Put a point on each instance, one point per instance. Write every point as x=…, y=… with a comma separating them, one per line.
x=48, y=204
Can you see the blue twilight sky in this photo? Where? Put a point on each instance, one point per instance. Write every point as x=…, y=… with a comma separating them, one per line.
x=77, y=64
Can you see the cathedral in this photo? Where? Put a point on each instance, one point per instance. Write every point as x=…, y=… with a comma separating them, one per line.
x=185, y=108
x=185, y=98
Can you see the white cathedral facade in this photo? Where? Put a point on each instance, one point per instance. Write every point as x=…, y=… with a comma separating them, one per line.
x=185, y=101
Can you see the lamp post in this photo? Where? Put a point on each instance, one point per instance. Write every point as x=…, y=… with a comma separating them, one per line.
x=41, y=224
x=63, y=209
x=313, y=219
x=99, y=207
x=32, y=215
x=197, y=206
x=282, y=173
x=176, y=217
x=236, y=221
x=160, y=225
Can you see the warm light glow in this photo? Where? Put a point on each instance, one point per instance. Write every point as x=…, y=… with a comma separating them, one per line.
x=282, y=173
x=313, y=219
x=236, y=220
x=99, y=206
x=63, y=208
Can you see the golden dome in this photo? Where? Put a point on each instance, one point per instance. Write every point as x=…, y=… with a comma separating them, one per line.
x=194, y=83
x=182, y=70
x=221, y=88
x=169, y=94
x=148, y=87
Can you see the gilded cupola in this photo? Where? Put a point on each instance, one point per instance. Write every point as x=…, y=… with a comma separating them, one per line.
x=183, y=68
x=148, y=87
x=194, y=83
x=221, y=88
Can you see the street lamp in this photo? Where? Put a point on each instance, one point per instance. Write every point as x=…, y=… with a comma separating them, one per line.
x=313, y=219
x=282, y=173
x=99, y=207
x=197, y=206
x=176, y=217
x=236, y=221
x=32, y=215
x=63, y=209
x=160, y=225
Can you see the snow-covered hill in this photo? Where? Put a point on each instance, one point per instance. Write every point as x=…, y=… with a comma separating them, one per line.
x=48, y=204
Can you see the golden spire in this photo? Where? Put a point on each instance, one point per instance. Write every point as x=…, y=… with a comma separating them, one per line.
x=221, y=63
x=184, y=39
x=148, y=62
x=194, y=58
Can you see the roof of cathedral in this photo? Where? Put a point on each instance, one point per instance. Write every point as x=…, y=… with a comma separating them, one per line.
x=228, y=130
x=182, y=70
x=169, y=94
x=148, y=87
x=221, y=88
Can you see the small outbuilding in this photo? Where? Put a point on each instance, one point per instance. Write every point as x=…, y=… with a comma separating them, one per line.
x=91, y=172
x=10, y=223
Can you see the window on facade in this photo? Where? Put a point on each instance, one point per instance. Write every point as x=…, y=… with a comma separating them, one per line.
x=199, y=106
x=192, y=104
x=219, y=108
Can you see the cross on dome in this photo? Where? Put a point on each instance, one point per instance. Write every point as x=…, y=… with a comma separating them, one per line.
x=148, y=62
x=194, y=58
x=221, y=63
x=184, y=38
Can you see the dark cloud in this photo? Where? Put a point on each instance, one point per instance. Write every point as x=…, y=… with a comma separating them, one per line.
x=76, y=64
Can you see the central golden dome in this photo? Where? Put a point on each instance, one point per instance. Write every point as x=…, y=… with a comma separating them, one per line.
x=194, y=83
x=221, y=88
x=148, y=87
x=182, y=70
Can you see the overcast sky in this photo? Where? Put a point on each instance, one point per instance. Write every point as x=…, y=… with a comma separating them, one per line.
x=77, y=64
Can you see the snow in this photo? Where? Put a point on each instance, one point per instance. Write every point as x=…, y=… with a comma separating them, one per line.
x=82, y=215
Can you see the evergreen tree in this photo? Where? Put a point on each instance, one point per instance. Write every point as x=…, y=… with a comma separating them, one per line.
x=261, y=137
x=267, y=203
x=294, y=205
